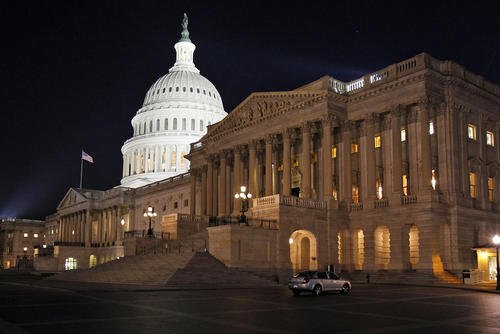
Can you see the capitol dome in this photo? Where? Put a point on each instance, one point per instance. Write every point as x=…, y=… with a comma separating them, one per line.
x=176, y=111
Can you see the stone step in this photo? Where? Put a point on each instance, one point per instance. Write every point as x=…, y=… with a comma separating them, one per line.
x=205, y=271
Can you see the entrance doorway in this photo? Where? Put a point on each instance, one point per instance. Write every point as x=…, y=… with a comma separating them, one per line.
x=303, y=251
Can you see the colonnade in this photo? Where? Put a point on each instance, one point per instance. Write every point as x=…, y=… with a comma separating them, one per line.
x=319, y=158
x=156, y=158
x=92, y=227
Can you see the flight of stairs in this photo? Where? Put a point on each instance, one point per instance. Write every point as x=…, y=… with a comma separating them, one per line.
x=147, y=269
x=204, y=271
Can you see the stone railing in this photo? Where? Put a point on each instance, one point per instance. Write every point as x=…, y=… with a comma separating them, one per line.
x=355, y=85
x=268, y=224
x=289, y=201
x=410, y=199
x=381, y=203
x=357, y=206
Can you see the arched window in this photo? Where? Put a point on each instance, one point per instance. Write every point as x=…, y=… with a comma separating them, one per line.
x=183, y=124
x=157, y=125
x=201, y=125
x=144, y=128
x=198, y=90
x=175, y=124
x=140, y=128
x=184, y=89
x=150, y=126
x=193, y=124
x=166, y=124
x=170, y=89
x=191, y=89
x=163, y=91
x=176, y=89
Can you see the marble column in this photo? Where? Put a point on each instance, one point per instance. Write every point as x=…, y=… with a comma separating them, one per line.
x=327, y=156
x=287, y=176
x=203, y=191
x=424, y=149
x=252, y=172
x=345, y=163
x=210, y=185
x=269, y=156
x=367, y=162
x=306, y=158
x=413, y=133
x=396, y=155
x=222, y=188
x=192, y=191
x=237, y=178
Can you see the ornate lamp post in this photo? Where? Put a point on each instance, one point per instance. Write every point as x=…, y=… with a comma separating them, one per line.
x=150, y=213
x=496, y=241
x=244, y=196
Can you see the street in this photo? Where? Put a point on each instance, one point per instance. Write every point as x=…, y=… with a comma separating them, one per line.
x=32, y=305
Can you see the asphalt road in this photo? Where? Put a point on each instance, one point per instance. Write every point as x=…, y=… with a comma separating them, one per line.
x=29, y=305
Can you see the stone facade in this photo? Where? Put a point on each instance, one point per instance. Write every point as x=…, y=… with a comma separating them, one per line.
x=342, y=166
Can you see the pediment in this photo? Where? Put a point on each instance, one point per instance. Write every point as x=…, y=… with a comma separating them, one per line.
x=259, y=107
x=71, y=198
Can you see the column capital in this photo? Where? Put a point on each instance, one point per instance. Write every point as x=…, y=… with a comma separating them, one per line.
x=306, y=127
x=239, y=149
x=330, y=120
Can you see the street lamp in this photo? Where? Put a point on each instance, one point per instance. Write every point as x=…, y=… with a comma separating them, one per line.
x=244, y=196
x=150, y=213
x=496, y=241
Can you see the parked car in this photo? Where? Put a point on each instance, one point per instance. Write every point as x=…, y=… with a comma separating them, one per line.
x=318, y=282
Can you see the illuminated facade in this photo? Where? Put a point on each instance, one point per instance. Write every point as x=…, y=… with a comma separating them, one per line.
x=398, y=170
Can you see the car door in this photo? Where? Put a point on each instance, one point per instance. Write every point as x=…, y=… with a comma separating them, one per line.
x=334, y=281
x=325, y=281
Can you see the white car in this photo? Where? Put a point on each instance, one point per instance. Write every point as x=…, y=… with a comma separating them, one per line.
x=318, y=282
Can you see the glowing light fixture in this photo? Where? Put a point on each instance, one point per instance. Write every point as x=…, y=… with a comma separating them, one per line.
x=496, y=241
x=290, y=241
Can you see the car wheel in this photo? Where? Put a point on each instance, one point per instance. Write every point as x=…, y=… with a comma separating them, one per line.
x=345, y=289
x=318, y=290
x=296, y=292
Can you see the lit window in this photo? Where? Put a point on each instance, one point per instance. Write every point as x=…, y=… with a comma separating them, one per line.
x=403, y=134
x=25, y=235
x=377, y=141
x=490, y=138
x=354, y=148
x=35, y=235
x=491, y=189
x=334, y=193
x=379, y=189
x=431, y=128
x=473, y=185
x=70, y=263
x=173, y=160
x=405, y=184
x=334, y=152
x=471, y=131
x=183, y=161
x=355, y=194
x=434, y=179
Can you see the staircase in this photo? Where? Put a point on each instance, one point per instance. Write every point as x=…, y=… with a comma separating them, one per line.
x=442, y=275
x=139, y=269
x=203, y=271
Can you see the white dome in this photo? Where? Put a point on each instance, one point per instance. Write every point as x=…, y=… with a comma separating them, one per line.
x=176, y=112
x=183, y=86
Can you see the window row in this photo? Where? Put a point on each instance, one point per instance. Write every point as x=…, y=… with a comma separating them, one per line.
x=472, y=134
x=143, y=128
x=184, y=90
x=473, y=184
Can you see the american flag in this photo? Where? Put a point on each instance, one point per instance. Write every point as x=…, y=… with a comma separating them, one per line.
x=87, y=157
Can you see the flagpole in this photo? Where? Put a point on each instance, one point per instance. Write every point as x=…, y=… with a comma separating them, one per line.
x=81, y=172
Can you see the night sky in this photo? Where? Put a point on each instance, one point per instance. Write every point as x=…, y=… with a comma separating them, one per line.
x=74, y=73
